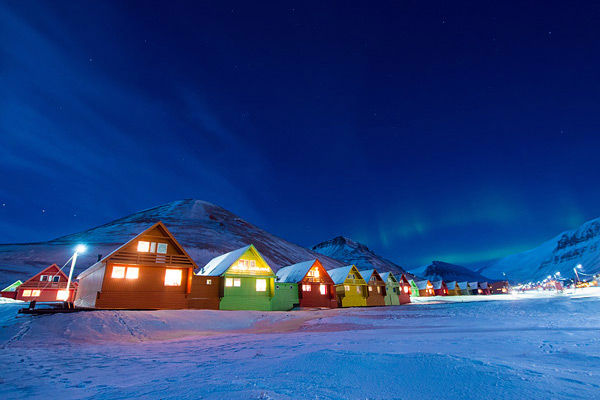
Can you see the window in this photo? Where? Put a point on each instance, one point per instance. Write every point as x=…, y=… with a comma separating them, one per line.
x=237, y=282
x=56, y=278
x=358, y=289
x=370, y=289
x=378, y=289
x=161, y=248
x=347, y=288
x=35, y=293
x=118, y=272
x=173, y=277
x=261, y=285
x=277, y=287
x=209, y=281
x=351, y=276
x=132, y=273
x=26, y=293
x=291, y=286
x=314, y=272
x=152, y=247
x=62, y=295
x=306, y=288
x=229, y=282
x=405, y=289
x=323, y=289
x=143, y=246
x=43, y=278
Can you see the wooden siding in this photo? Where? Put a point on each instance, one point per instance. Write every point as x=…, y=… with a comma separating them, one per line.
x=202, y=294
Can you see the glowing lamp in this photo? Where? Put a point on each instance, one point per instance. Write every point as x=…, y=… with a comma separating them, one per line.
x=80, y=248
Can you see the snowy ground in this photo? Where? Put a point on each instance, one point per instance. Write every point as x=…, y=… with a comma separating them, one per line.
x=513, y=349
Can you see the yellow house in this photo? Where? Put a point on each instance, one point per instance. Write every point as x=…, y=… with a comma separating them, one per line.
x=350, y=287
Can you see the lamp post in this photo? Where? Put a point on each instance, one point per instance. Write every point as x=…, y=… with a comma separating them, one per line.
x=78, y=250
x=576, y=274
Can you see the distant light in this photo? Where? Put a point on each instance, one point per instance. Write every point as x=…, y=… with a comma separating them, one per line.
x=557, y=273
x=80, y=248
x=579, y=266
x=549, y=277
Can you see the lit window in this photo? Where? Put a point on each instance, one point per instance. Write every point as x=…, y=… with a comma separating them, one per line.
x=209, y=282
x=370, y=289
x=152, y=247
x=378, y=289
x=132, y=273
x=56, y=278
x=26, y=293
x=306, y=288
x=237, y=282
x=62, y=295
x=173, y=277
x=161, y=248
x=118, y=272
x=35, y=293
x=405, y=289
x=43, y=278
x=314, y=272
x=229, y=282
x=323, y=289
x=358, y=289
x=143, y=246
x=261, y=285
x=347, y=288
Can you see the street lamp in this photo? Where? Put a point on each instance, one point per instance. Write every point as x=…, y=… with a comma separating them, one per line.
x=78, y=250
x=579, y=266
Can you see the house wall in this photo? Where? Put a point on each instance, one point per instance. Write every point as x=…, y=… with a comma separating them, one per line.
x=392, y=295
x=89, y=287
x=285, y=297
x=376, y=297
x=314, y=298
x=205, y=292
x=148, y=291
x=48, y=289
x=354, y=297
x=245, y=297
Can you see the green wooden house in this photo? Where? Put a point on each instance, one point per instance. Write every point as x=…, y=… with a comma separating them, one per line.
x=414, y=289
x=392, y=289
x=11, y=290
x=247, y=281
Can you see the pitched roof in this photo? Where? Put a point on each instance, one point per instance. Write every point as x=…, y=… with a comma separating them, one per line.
x=338, y=275
x=422, y=285
x=451, y=285
x=463, y=285
x=386, y=275
x=473, y=285
x=219, y=265
x=13, y=287
x=484, y=285
x=295, y=273
x=366, y=274
x=438, y=284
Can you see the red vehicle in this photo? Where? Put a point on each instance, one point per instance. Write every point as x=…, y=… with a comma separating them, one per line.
x=48, y=285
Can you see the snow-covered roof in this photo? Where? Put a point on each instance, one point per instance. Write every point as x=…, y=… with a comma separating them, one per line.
x=13, y=287
x=463, y=285
x=338, y=275
x=474, y=285
x=219, y=265
x=386, y=275
x=451, y=285
x=484, y=285
x=422, y=285
x=366, y=274
x=437, y=284
x=295, y=273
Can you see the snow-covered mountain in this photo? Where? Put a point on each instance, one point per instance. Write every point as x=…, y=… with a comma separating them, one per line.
x=559, y=254
x=439, y=270
x=352, y=252
x=203, y=229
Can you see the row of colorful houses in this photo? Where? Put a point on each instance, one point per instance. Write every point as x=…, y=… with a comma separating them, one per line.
x=153, y=271
x=427, y=288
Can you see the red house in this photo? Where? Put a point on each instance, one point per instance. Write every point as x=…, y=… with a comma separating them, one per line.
x=315, y=286
x=48, y=285
x=440, y=288
x=484, y=288
x=405, y=290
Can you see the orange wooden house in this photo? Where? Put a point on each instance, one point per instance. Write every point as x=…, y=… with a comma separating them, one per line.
x=376, y=285
x=151, y=271
x=50, y=284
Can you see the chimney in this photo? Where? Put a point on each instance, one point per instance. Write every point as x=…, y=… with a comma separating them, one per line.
x=99, y=257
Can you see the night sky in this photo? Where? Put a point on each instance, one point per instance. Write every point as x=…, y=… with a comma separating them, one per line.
x=461, y=132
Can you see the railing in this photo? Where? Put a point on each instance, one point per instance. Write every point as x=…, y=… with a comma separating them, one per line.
x=47, y=285
x=132, y=257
